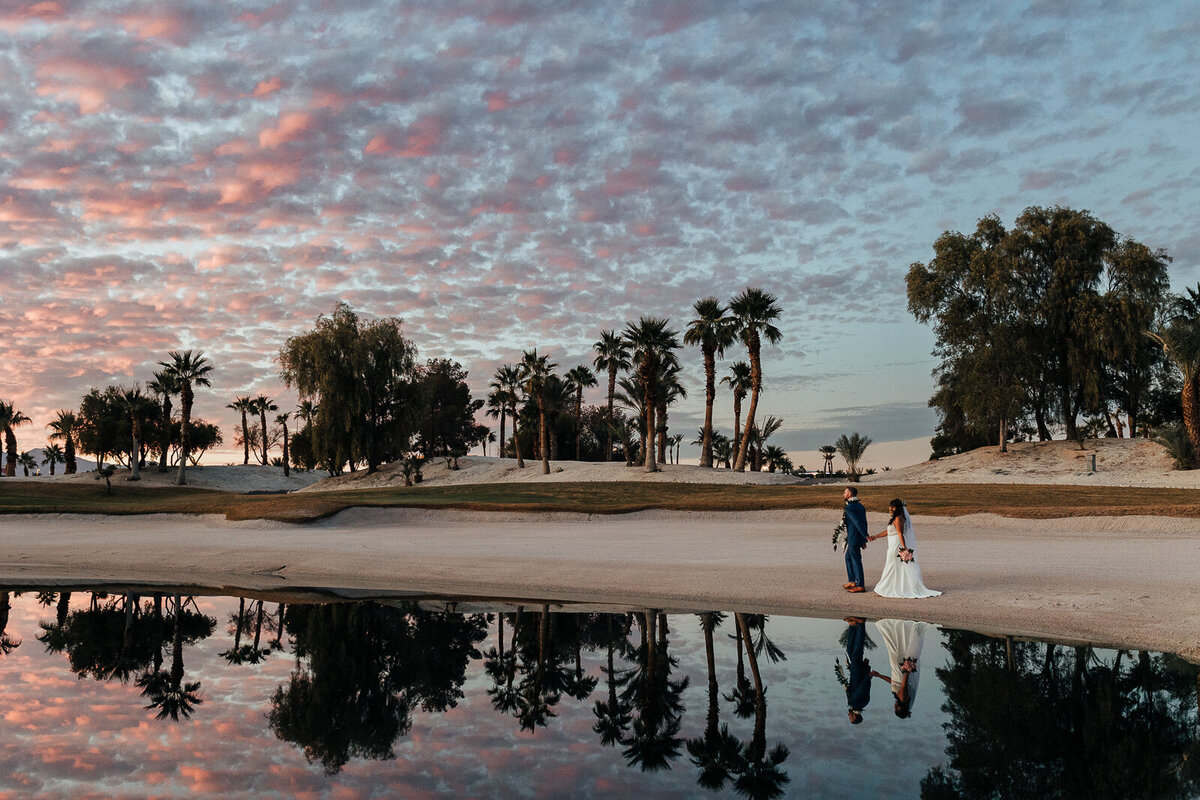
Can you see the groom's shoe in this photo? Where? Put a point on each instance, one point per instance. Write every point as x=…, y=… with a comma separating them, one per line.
x=848, y=585
x=856, y=589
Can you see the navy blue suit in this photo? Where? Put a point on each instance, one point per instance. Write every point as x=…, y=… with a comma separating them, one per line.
x=858, y=693
x=856, y=539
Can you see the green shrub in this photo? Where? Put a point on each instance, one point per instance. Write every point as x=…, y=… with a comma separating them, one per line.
x=1174, y=437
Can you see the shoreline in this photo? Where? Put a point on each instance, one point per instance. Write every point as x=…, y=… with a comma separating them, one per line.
x=1118, y=581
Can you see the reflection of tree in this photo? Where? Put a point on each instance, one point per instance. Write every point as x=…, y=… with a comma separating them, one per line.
x=167, y=691
x=239, y=621
x=717, y=752
x=1037, y=720
x=7, y=642
x=612, y=714
x=361, y=670
x=653, y=741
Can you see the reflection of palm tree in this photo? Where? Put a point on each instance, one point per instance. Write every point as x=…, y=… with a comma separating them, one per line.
x=653, y=742
x=166, y=691
x=759, y=774
x=612, y=715
x=717, y=752
x=7, y=642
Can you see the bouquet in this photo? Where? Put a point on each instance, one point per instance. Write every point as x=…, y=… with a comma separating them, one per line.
x=840, y=672
x=840, y=533
x=908, y=665
x=906, y=554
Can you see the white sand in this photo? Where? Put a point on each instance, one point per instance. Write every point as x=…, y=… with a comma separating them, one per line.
x=240, y=478
x=1128, y=580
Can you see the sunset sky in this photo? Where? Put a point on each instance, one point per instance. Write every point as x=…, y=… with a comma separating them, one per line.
x=509, y=175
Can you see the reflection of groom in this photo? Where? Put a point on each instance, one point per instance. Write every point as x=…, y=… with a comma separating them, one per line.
x=858, y=689
x=855, y=517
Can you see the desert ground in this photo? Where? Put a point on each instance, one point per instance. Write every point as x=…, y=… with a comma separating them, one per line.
x=1128, y=581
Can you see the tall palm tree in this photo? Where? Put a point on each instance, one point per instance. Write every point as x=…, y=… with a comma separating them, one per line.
x=670, y=390
x=52, y=454
x=497, y=404
x=612, y=356
x=652, y=343
x=508, y=378
x=282, y=419
x=134, y=400
x=711, y=331
x=738, y=381
x=579, y=378
x=754, y=312
x=245, y=405
x=63, y=427
x=165, y=385
x=536, y=372
x=10, y=418
x=189, y=368
x=307, y=411
x=262, y=404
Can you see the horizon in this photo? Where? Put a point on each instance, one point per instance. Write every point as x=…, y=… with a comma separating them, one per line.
x=504, y=177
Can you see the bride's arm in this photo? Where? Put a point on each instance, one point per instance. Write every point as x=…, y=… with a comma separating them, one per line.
x=900, y=530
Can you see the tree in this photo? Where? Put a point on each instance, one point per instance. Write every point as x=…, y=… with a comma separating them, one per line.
x=754, y=312
x=827, y=452
x=974, y=295
x=852, y=448
x=53, y=454
x=63, y=427
x=165, y=385
x=712, y=331
x=578, y=379
x=447, y=428
x=361, y=377
x=536, y=372
x=497, y=408
x=245, y=405
x=189, y=369
x=738, y=381
x=1180, y=341
x=134, y=402
x=262, y=404
x=670, y=389
x=612, y=356
x=10, y=418
x=282, y=421
x=508, y=380
x=27, y=461
x=652, y=344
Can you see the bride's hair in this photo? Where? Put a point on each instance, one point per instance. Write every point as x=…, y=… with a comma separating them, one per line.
x=897, y=508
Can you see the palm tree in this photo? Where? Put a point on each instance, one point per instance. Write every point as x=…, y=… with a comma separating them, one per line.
x=579, y=378
x=26, y=459
x=852, y=448
x=827, y=452
x=738, y=381
x=536, y=372
x=262, y=404
x=754, y=312
x=652, y=343
x=711, y=331
x=282, y=419
x=63, y=427
x=1180, y=340
x=612, y=356
x=165, y=385
x=758, y=440
x=245, y=405
x=497, y=408
x=508, y=378
x=10, y=418
x=670, y=390
x=134, y=400
x=52, y=454
x=187, y=368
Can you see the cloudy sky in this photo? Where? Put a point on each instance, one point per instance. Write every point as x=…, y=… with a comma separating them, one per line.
x=506, y=175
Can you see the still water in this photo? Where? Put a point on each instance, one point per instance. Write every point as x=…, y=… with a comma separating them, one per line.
x=116, y=694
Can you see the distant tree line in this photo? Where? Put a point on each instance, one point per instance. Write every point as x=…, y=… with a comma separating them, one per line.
x=1048, y=326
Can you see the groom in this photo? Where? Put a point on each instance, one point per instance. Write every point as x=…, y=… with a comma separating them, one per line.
x=855, y=517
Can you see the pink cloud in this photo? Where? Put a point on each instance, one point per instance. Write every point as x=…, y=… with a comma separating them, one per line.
x=290, y=127
x=422, y=138
x=268, y=87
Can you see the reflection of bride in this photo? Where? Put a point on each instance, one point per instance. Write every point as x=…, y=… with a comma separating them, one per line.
x=903, y=640
x=901, y=576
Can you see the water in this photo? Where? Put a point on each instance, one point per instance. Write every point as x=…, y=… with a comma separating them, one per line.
x=104, y=695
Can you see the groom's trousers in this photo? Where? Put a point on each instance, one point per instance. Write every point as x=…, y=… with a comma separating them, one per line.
x=854, y=567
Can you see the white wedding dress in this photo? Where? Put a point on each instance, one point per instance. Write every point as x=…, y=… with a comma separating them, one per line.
x=904, y=639
x=900, y=579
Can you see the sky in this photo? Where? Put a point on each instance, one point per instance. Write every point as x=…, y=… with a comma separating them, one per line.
x=511, y=175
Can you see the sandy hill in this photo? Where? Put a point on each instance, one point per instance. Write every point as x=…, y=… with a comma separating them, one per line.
x=1119, y=462
x=480, y=469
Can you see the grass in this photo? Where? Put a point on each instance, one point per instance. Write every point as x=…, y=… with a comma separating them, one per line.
x=1022, y=501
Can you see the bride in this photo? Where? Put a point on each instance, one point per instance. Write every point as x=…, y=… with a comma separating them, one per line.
x=901, y=576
